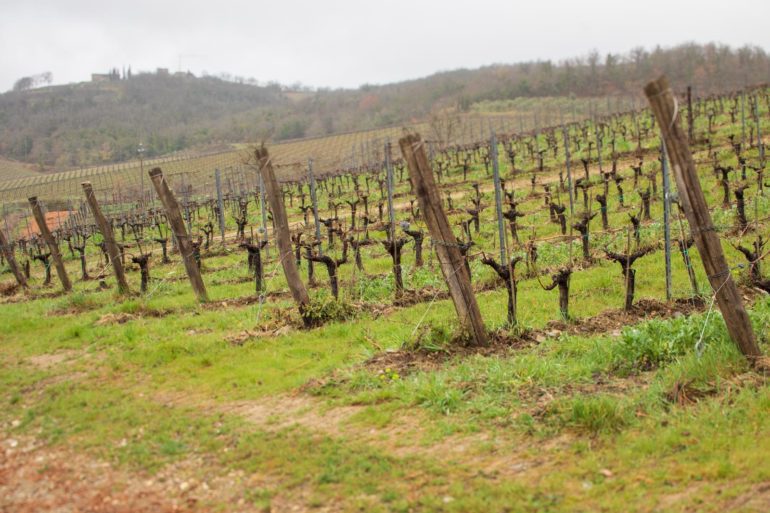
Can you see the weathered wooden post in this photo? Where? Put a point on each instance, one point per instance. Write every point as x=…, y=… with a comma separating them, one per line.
x=52, y=246
x=9, y=257
x=185, y=245
x=282, y=234
x=693, y=203
x=447, y=249
x=109, y=239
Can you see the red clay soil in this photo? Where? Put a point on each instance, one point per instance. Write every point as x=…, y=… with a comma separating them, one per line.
x=54, y=220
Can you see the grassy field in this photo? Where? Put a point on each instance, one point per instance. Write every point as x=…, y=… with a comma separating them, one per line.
x=164, y=404
x=12, y=170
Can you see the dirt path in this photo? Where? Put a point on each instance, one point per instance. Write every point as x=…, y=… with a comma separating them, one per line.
x=403, y=436
x=36, y=478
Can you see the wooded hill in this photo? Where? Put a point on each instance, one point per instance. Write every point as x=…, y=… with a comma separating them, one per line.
x=99, y=122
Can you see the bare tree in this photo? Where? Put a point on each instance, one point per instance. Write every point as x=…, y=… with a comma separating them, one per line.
x=443, y=126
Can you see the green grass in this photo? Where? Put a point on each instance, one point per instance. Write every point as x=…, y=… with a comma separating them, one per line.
x=608, y=422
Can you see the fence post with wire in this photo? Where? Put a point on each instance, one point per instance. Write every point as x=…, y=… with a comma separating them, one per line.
x=448, y=251
x=185, y=244
x=694, y=204
x=107, y=235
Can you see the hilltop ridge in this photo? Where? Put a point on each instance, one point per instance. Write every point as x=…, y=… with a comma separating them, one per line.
x=100, y=122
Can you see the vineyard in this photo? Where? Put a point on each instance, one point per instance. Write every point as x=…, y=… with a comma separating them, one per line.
x=10, y=170
x=492, y=315
x=330, y=154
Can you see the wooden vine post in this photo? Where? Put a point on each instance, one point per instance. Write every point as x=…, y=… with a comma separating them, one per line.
x=9, y=257
x=52, y=245
x=447, y=248
x=109, y=239
x=283, y=235
x=186, y=249
x=696, y=209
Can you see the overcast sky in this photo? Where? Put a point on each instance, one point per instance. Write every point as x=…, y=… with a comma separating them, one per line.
x=346, y=43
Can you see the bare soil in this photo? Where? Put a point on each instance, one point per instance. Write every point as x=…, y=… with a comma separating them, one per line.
x=35, y=478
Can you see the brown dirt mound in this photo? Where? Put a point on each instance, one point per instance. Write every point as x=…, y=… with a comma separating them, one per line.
x=119, y=318
x=611, y=320
x=8, y=289
x=22, y=298
x=685, y=393
x=240, y=338
x=413, y=297
x=229, y=303
x=404, y=361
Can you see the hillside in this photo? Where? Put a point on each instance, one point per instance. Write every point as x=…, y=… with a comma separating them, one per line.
x=96, y=123
x=90, y=123
x=14, y=170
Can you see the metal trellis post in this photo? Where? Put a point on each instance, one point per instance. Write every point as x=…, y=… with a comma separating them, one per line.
x=498, y=197
x=666, y=216
x=220, y=203
x=314, y=198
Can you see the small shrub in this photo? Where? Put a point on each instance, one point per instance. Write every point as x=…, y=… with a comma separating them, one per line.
x=430, y=339
x=656, y=343
x=324, y=308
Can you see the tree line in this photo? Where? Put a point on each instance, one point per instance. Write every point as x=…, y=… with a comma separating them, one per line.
x=97, y=123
